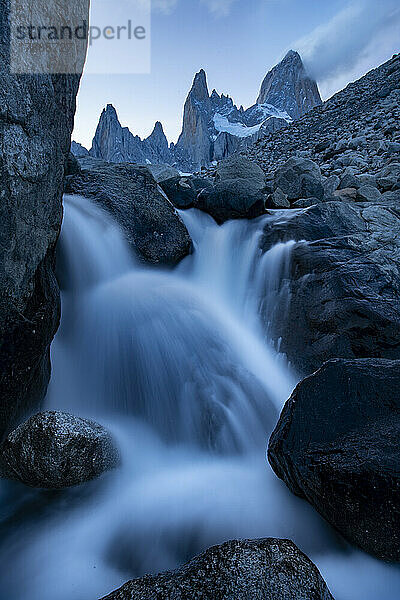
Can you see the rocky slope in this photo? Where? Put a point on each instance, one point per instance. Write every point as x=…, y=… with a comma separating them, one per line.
x=36, y=120
x=267, y=569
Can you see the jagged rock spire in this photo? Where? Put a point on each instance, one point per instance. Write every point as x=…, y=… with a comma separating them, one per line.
x=288, y=87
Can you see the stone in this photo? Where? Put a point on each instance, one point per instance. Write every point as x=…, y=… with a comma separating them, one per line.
x=131, y=195
x=349, y=181
x=367, y=193
x=266, y=569
x=349, y=194
x=330, y=185
x=344, y=284
x=36, y=120
x=232, y=199
x=55, y=450
x=299, y=178
x=163, y=172
x=336, y=444
x=183, y=191
x=277, y=200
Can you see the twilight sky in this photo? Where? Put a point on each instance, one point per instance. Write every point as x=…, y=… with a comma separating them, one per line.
x=236, y=42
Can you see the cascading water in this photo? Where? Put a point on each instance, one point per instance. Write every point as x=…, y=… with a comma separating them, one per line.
x=178, y=365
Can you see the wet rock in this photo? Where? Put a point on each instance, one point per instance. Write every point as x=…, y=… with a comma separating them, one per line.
x=344, y=283
x=56, y=450
x=36, y=120
x=239, y=191
x=134, y=199
x=266, y=569
x=232, y=199
x=336, y=444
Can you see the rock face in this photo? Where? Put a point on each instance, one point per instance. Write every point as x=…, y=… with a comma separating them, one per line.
x=114, y=143
x=36, y=120
x=336, y=444
x=267, y=569
x=288, y=87
x=55, y=450
x=239, y=191
x=344, y=282
x=135, y=200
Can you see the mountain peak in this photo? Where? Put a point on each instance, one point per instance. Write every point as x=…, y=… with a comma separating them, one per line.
x=288, y=87
x=200, y=88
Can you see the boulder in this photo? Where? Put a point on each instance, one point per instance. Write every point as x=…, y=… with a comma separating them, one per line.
x=336, y=444
x=368, y=193
x=299, y=178
x=349, y=181
x=232, y=199
x=135, y=200
x=36, y=120
x=239, y=191
x=266, y=569
x=162, y=172
x=344, y=283
x=277, y=200
x=346, y=194
x=183, y=191
x=330, y=185
x=55, y=450
x=305, y=202
x=240, y=167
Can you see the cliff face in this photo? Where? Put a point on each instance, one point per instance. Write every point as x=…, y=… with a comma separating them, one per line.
x=36, y=120
x=288, y=87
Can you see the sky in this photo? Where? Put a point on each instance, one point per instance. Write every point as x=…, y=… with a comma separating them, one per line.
x=236, y=42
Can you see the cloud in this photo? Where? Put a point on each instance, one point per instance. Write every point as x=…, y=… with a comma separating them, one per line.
x=219, y=8
x=165, y=7
x=355, y=40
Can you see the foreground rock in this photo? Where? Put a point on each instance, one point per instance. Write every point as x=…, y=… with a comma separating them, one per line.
x=268, y=569
x=132, y=196
x=239, y=191
x=337, y=445
x=344, y=282
x=36, y=120
x=57, y=450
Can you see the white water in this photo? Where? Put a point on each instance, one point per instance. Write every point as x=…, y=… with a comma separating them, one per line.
x=178, y=365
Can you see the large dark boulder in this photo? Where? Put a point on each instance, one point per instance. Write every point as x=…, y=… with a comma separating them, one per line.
x=268, y=569
x=344, y=282
x=299, y=178
x=130, y=193
x=337, y=445
x=56, y=450
x=183, y=191
x=239, y=191
x=36, y=120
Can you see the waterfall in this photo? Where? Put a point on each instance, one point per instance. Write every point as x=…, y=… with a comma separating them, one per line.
x=180, y=365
